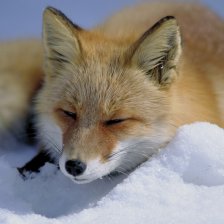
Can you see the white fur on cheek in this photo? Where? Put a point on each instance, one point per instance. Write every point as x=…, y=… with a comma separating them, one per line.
x=50, y=134
x=125, y=156
x=97, y=168
x=133, y=152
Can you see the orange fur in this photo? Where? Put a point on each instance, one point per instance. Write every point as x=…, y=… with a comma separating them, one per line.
x=100, y=75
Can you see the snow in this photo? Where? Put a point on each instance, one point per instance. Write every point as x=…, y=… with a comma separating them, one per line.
x=183, y=183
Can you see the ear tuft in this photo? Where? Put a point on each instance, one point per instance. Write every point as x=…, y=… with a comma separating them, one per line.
x=158, y=50
x=60, y=41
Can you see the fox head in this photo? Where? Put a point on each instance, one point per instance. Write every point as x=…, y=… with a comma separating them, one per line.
x=104, y=104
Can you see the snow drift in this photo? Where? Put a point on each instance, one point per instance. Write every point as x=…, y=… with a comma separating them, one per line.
x=184, y=183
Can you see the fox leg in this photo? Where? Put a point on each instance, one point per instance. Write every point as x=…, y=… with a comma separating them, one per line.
x=36, y=163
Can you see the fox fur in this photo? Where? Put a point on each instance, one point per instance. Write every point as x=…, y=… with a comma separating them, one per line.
x=114, y=95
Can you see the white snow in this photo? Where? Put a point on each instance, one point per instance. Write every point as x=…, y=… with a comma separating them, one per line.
x=184, y=183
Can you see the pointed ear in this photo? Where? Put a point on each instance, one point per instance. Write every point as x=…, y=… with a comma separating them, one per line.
x=60, y=41
x=158, y=50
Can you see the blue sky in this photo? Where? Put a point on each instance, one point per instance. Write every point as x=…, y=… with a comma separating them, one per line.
x=23, y=18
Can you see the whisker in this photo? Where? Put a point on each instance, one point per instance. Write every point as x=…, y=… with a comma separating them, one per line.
x=121, y=172
x=139, y=154
x=51, y=143
x=127, y=150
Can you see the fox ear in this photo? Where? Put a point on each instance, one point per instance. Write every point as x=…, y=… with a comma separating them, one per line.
x=60, y=41
x=158, y=50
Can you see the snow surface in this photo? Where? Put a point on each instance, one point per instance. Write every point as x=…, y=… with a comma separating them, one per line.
x=184, y=183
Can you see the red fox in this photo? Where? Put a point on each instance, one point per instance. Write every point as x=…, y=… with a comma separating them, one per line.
x=110, y=97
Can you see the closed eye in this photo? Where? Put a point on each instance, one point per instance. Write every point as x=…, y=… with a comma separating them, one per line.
x=69, y=114
x=114, y=121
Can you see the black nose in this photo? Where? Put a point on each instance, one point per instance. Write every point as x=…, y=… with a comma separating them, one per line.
x=75, y=167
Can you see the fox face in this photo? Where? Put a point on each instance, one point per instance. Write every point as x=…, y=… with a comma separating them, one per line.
x=104, y=104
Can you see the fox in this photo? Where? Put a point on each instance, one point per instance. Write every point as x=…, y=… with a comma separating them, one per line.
x=107, y=99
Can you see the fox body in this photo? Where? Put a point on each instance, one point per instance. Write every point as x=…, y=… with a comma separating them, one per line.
x=110, y=97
